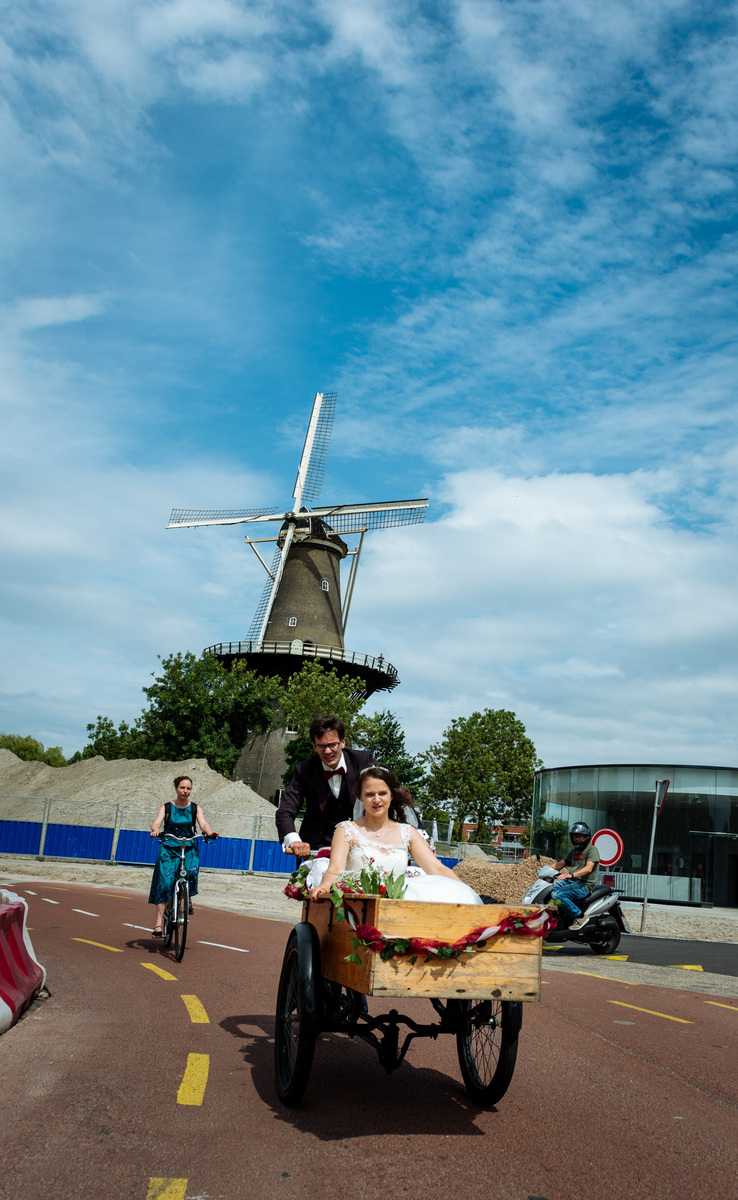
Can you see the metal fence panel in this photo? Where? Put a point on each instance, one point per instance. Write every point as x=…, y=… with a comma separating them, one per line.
x=230, y=854
x=270, y=856
x=661, y=887
x=135, y=846
x=78, y=841
x=20, y=837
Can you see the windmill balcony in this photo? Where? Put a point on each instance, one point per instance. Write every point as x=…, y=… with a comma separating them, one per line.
x=286, y=657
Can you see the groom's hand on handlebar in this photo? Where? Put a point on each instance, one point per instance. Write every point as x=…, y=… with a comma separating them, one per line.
x=299, y=849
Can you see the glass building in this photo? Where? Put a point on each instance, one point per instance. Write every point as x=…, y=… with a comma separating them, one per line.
x=695, y=858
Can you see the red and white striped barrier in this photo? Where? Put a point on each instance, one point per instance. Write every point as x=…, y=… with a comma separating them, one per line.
x=21, y=974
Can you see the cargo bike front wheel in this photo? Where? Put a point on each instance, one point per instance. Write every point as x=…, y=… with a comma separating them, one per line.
x=487, y=1045
x=299, y=1010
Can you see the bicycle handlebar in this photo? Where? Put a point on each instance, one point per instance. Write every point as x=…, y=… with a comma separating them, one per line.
x=206, y=837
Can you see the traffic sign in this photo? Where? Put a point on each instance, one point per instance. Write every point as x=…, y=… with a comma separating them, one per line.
x=610, y=846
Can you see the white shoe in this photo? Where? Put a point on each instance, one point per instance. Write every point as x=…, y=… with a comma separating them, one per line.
x=577, y=925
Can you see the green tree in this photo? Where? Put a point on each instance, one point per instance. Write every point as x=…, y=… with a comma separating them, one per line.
x=196, y=709
x=484, y=765
x=382, y=735
x=104, y=739
x=311, y=692
x=30, y=750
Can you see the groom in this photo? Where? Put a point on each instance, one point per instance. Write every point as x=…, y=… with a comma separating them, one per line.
x=325, y=781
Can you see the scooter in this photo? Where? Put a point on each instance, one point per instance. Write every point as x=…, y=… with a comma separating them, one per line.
x=606, y=921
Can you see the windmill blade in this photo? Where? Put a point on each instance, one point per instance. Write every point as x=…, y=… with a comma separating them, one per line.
x=277, y=569
x=186, y=518
x=266, y=596
x=389, y=514
x=315, y=451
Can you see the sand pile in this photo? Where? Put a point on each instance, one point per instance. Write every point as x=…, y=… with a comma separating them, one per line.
x=505, y=882
x=88, y=792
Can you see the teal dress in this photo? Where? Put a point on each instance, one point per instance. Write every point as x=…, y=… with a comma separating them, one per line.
x=182, y=824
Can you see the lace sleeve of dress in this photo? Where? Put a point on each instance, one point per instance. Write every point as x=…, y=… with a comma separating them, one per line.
x=406, y=832
x=349, y=831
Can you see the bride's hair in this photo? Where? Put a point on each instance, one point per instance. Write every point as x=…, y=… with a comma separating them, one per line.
x=400, y=795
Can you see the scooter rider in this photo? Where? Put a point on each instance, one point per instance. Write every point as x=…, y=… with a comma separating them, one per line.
x=578, y=873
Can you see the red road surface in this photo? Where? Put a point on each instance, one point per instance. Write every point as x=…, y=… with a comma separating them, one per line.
x=607, y=1100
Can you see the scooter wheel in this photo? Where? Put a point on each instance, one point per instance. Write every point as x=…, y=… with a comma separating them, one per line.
x=607, y=947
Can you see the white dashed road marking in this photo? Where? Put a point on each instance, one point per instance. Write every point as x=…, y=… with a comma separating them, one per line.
x=221, y=947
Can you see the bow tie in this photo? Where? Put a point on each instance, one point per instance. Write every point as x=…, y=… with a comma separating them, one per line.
x=338, y=771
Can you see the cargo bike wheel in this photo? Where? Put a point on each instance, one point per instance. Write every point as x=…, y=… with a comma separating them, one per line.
x=299, y=1010
x=487, y=1045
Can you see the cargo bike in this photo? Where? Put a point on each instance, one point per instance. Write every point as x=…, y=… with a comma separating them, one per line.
x=477, y=988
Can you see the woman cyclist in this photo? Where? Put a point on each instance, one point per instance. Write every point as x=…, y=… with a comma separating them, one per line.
x=181, y=819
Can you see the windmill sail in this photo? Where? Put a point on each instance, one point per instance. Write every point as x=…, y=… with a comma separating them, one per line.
x=315, y=451
x=261, y=608
x=355, y=518
x=186, y=518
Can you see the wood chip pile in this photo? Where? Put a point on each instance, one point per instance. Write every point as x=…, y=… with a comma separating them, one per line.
x=507, y=884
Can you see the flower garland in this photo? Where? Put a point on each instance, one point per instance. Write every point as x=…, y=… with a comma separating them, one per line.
x=368, y=937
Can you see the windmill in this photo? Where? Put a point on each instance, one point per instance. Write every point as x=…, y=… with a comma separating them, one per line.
x=301, y=613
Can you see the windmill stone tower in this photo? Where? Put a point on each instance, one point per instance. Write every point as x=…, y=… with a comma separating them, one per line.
x=301, y=614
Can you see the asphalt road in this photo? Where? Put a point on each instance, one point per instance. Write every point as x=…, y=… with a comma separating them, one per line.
x=719, y=958
x=144, y=1079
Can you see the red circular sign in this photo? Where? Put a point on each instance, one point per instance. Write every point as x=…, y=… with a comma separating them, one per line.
x=610, y=846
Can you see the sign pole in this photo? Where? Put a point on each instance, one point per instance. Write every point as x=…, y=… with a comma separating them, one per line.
x=662, y=787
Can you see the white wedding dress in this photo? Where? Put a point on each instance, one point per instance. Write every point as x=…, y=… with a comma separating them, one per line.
x=366, y=850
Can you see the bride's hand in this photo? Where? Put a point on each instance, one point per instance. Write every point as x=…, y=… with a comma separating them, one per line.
x=322, y=889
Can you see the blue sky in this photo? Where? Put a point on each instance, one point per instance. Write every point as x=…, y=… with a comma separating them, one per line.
x=504, y=233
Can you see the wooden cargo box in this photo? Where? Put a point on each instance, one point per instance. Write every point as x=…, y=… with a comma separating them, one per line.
x=507, y=968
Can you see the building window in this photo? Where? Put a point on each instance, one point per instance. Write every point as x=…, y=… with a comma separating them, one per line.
x=325, y=585
x=292, y=622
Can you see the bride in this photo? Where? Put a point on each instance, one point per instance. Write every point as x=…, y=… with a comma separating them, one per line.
x=383, y=838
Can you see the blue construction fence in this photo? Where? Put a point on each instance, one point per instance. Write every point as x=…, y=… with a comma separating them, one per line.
x=136, y=846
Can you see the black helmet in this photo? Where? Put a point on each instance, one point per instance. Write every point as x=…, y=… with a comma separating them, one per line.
x=580, y=829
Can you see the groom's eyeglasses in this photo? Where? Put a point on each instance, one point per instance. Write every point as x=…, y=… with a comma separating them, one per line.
x=326, y=746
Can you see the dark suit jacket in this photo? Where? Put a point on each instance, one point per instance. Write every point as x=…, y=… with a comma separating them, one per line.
x=309, y=784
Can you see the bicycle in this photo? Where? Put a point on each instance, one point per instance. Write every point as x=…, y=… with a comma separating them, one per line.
x=177, y=911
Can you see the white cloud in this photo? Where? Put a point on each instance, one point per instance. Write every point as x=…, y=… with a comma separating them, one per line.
x=572, y=600
x=53, y=310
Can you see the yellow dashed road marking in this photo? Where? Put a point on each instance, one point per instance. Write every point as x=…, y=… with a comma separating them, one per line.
x=115, y=896
x=194, y=1081
x=651, y=1013
x=609, y=978
x=167, y=1189
x=115, y=949
x=198, y=1016
x=616, y=957
x=717, y=1004
x=159, y=971
x=684, y=967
